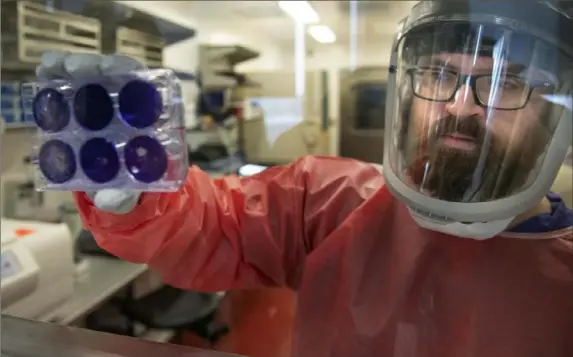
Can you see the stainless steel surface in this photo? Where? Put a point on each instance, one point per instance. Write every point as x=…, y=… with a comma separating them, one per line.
x=362, y=124
x=24, y=338
x=103, y=279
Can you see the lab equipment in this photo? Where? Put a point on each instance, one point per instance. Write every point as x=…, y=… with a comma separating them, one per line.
x=113, y=131
x=57, y=64
x=37, y=267
x=362, y=111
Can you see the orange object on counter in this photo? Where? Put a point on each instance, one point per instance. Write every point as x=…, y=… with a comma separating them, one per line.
x=23, y=232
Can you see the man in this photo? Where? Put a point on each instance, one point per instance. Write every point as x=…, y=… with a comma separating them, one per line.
x=456, y=250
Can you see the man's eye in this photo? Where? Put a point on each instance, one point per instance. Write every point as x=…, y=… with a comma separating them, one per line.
x=511, y=83
x=439, y=75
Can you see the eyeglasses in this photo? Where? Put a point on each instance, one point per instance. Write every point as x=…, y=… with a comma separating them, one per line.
x=502, y=92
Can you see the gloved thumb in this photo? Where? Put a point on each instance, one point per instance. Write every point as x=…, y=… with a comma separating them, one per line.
x=115, y=201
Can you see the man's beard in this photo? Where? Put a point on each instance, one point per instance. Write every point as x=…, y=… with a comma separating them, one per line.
x=485, y=172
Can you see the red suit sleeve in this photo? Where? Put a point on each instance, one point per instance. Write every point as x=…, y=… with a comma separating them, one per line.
x=235, y=232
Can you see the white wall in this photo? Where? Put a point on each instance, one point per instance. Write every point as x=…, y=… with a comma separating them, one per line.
x=338, y=56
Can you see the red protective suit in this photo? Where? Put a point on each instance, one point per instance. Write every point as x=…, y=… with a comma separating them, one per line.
x=370, y=281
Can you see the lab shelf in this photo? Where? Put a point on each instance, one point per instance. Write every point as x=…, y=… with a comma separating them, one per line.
x=23, y=125
x=30, y=28
x=112, y=19
x=113, y=14
x=184, y=76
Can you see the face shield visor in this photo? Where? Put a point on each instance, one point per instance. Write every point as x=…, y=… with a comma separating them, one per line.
x=474, y=110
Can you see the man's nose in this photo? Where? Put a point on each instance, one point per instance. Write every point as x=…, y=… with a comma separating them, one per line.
x=464, y=103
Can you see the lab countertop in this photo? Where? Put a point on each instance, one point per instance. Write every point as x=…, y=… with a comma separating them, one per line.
x=102, y=279
x=24, y=338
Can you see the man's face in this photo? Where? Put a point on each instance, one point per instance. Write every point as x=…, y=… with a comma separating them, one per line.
x=459, y=150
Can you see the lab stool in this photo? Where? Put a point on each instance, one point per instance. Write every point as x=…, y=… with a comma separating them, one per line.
x=171, y=308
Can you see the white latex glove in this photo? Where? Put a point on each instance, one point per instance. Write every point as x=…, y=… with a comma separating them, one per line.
x=63, y=65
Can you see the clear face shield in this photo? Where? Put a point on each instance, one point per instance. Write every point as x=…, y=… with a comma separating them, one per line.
x=475, y=109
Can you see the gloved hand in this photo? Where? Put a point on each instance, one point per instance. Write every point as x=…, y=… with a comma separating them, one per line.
x=63, y=65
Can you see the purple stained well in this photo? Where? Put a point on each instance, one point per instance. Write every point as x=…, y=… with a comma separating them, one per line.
x=99, y=160
x=51, y=111
x=57, y=161
x=93, y=107
x=140, y=104
x=145, y=159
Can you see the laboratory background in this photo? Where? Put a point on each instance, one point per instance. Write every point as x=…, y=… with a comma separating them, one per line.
x=264, y=83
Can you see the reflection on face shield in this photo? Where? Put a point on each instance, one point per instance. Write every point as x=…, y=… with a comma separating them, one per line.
x=474, y=124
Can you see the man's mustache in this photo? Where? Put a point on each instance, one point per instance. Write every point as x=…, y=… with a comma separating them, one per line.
x=470, y=126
